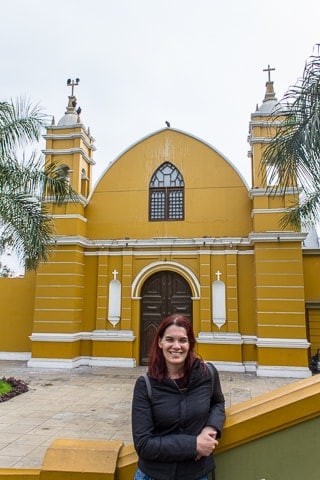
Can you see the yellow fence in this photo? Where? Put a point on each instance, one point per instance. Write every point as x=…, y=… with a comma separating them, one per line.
x=258, y=436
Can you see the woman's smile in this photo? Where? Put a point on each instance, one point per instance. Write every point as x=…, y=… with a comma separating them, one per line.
x=175, y=346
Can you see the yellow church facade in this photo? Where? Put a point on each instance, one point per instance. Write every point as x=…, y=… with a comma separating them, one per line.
x=170, y=227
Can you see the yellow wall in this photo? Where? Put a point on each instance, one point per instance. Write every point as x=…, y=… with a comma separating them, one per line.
x=267, y=281
x=17, y=305
x=311, y=269
x=216, y=199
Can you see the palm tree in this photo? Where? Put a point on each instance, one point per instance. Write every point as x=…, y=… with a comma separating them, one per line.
x=294, y=151
x=26, y=226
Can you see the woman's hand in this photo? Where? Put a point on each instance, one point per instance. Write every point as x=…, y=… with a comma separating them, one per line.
x=206, y=442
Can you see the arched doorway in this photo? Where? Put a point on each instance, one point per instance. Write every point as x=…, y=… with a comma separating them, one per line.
x=163, y=293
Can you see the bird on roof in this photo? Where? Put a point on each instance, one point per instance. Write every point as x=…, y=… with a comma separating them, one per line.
x=167, y=123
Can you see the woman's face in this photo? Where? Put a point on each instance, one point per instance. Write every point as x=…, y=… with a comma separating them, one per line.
x=175, y=345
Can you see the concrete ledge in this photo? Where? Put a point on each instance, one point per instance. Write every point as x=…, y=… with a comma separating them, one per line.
x=127, y=463
x=19, y=474
x=91, y=458
x=271, y=412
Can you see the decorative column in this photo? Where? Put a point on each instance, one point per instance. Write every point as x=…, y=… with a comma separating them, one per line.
x=205, y=301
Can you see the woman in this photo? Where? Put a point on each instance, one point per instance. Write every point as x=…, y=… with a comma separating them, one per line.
x=176, y=426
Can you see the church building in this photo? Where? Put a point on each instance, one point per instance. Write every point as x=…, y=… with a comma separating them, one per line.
x=170, y=227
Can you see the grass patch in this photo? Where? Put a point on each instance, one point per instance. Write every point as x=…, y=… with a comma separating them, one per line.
x=5, y=387
x=10, y=387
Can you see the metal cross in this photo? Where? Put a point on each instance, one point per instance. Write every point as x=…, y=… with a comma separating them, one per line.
x=115, y=273
x=72, y=84
x=269, y=69
x=218, y=275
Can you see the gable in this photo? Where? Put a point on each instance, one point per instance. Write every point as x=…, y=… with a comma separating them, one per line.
x=216, y=196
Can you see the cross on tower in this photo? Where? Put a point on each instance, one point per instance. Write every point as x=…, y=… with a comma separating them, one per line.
x=269, y=69
x=72, y=84
x=218, y=274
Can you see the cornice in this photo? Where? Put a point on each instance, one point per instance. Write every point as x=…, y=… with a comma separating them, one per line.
x=71, y=136
x=277, y=236
x=69, y=151
x=229, y=244
x=273, y=192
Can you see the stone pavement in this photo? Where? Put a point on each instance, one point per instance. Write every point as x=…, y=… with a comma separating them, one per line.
x=88, y=403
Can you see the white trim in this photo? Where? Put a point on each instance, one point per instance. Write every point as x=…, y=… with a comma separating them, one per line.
x=113, y=336
x=249, y=339
x=250, y=367
x=154, y=267
x=264, y=123
x=256, y=211
x=56, y=363
x=112, y=362
x=69, y=151
x=283, y=371
x=70, y=216
x=21, y=356
x=227, y=244
x=260, y=140
x=96, y=335
x=277, y=236
x=152, y=253
x=228, y=366
x=225, y=338
x=270, y=191
x=299, y=343
x=71, y=136
x=220, y=338
x=69, y=127
x=262, y=371
x=60, y=337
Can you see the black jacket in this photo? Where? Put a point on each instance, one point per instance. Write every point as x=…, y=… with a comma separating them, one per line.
x=165, y=427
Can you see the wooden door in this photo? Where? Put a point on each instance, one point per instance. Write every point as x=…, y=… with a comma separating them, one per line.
x=162, y=294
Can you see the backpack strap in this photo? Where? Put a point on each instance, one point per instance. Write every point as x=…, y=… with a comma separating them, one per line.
x=148, y=384
x=211, y=370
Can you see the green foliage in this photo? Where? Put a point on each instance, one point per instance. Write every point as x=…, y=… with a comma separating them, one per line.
x=5, y=387
x=25, y=183
x=10, y=387
x=294, y=152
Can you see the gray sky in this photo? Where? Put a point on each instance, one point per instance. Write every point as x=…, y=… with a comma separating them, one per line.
x=196, y=63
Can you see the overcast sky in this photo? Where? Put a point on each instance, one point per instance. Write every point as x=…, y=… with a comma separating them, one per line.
x=197, y=63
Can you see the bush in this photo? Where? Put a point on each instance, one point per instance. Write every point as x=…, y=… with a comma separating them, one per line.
x=17, y=387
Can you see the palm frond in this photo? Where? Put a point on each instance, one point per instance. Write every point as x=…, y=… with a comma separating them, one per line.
x=26, y=227
x=20, y=124
x=293, y=155
x=305, y=212
x=34, y=178
x=25, y=182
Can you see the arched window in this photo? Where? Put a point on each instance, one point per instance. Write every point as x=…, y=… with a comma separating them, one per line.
x=166, y=194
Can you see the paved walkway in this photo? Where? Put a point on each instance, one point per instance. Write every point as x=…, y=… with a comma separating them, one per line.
x=84, y=403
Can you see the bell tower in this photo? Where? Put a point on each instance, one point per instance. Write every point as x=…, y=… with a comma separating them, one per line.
x=70, y=143
x=279, y=279
x=269, y=202
x=60, y=283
